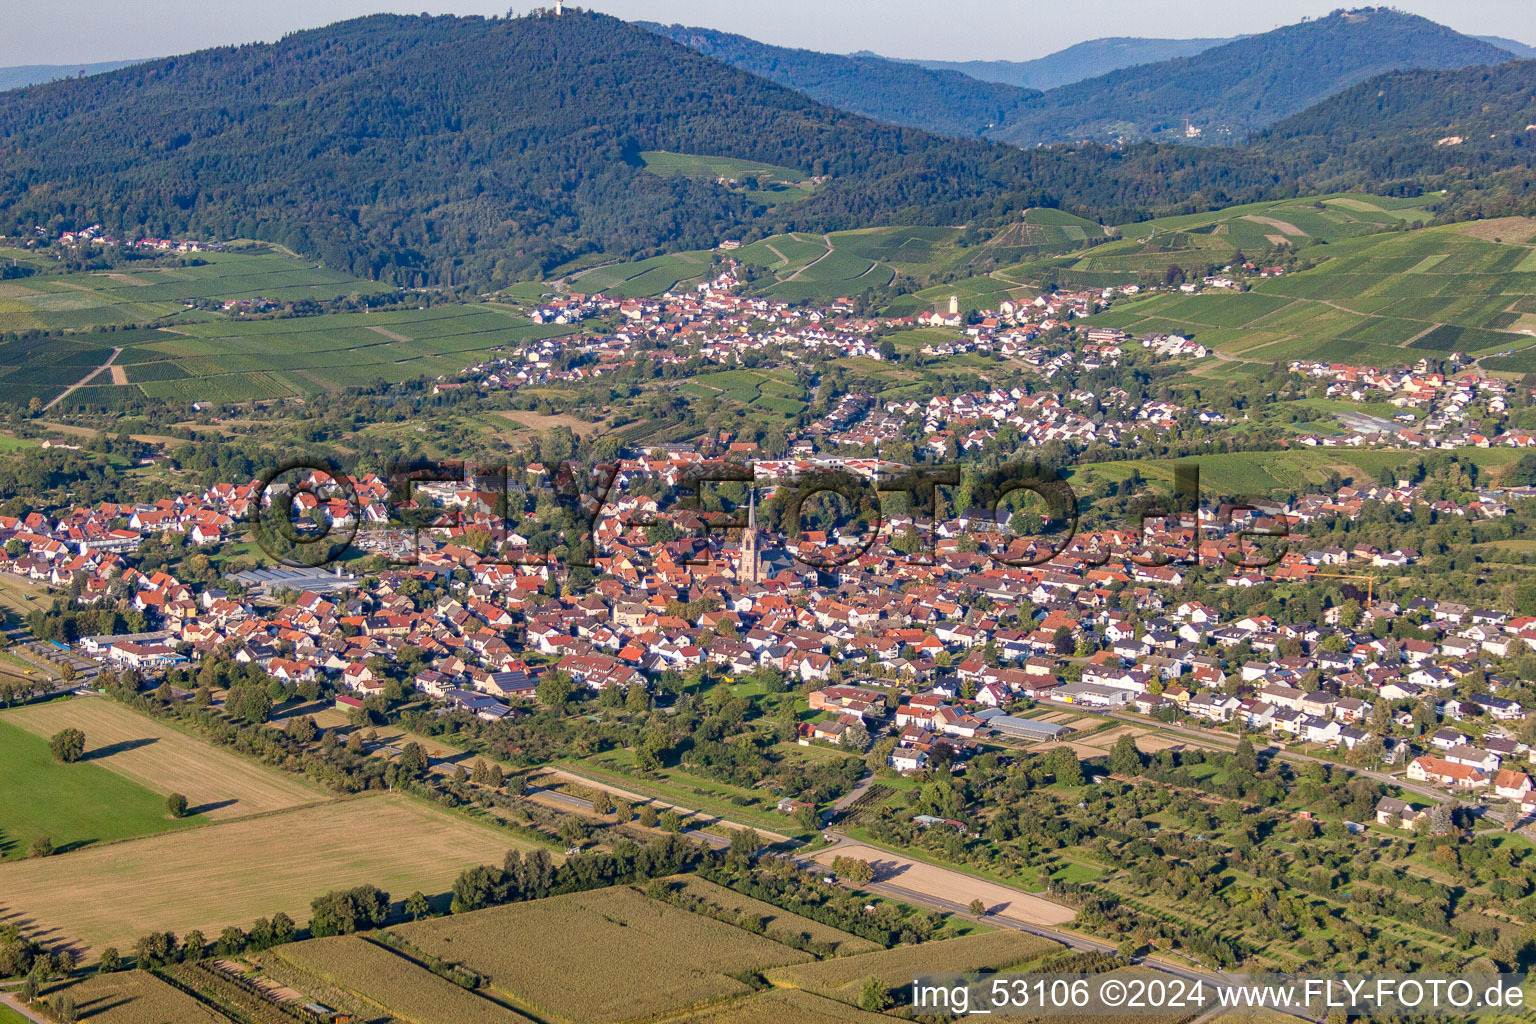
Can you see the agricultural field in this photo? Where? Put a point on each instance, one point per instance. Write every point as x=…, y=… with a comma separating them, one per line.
x=644, y=278
x=840, y=978
x=216, y=783
x=391, y=983
x=238, y=361
x=75, y=805
x=1386, y=300
x=237, y=871
x=1195, y=241
x=783, y=1006
x=775, y=919
x=137, y=997
x=134, y=294
x=656, y=958
x=762, y=183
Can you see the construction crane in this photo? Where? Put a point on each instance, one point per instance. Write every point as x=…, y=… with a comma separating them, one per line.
x=1370, y=581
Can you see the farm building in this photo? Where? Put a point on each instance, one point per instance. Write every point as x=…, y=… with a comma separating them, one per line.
x=1027, y=728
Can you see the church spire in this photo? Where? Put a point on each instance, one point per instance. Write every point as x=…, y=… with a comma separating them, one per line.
x=751, y=561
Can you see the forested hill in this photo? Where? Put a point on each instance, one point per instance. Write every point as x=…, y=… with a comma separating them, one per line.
x=1228, y=91
x=885, y=90
x=31, y=74
x=451, y=150
x=1087, y=59
x=1437, y=128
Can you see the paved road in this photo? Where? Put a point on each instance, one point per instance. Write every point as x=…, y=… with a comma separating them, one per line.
x=847, y=799
x=10, y=1002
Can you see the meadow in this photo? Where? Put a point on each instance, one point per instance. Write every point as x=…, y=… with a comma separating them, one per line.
x=75, y=805
x=216, y=783
x=764, y=183
x=654, y=957
x=234, y=872
x=840, y=978
x=392, y=983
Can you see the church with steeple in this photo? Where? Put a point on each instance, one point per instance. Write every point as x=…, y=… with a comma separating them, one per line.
x=751, y=565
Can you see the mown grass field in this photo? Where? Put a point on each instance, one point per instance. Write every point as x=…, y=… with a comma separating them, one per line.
x=763, y=183
x=215, y=782
x=647, y=958
x=234, y=872
x=75, y=805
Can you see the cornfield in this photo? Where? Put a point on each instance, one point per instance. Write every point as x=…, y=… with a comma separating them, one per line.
x=643, y=957
x=136, y=997
x=395, y=985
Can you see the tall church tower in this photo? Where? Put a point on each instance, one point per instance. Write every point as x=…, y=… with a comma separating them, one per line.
x=750, y=570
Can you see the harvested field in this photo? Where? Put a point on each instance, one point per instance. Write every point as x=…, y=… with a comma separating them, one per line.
x=136, y=997
x=392, y=983
x=955, y=886
x=235, y=872
x=216, y=783
x=841, y=978
x=654, y=958
x=776, y=920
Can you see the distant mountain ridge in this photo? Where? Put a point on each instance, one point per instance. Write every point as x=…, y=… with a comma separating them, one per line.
x=1224, y=93
x=35, y=74
x=1081, y=60
x=895, y=92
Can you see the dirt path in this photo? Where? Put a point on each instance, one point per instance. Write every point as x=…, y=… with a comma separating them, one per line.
x=83, y=381
x=391, y=335
x=830, y=249
x=953, y=886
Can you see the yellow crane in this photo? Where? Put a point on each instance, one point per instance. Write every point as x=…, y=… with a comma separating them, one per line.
x=1370, y=582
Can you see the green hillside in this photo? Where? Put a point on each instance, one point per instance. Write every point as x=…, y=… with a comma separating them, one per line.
x=1385, y=300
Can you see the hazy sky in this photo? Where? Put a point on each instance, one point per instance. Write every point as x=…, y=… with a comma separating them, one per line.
x=81, y=31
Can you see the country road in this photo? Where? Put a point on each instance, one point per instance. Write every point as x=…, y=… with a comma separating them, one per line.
x=83, y=381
